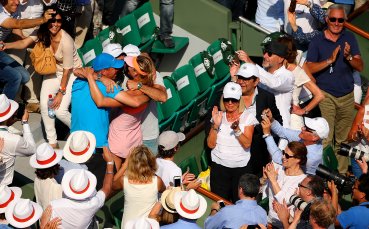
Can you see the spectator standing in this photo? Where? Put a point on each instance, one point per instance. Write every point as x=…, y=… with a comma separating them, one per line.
x=270, y=14
x=245, y=211
x=8, y=195
x=83, y=20
x=22, y=213
x=332, y=57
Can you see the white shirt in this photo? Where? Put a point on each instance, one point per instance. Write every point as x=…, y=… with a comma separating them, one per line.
x=77, y=214
x=280, y=83
x=3, y=16
x=47, y=190
x=14, y=145
x=167, y=170
x=269, y=14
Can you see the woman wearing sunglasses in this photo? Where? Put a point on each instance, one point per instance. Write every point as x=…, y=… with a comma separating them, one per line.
x=230, y=140
x=59, y=84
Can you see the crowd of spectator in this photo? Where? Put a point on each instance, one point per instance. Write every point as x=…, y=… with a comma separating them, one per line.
x=266, y=137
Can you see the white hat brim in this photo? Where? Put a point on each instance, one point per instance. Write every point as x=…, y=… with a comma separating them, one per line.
x=163, y=203
x=72, y=195
x=154, y=224
x=10, y=218
x=200, y=211
x=80, y=158
x=17, y=194
x=34, y=164
x=13, y=108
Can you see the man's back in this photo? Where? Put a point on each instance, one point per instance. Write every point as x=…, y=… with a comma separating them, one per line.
x=355, y=217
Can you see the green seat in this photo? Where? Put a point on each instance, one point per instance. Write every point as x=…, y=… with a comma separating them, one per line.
x=200, y=108
x=329, y=158
x=146, y=24
x=264, y=203
x=103, y=37
x=180, y=122
x=118, y=218
x=203, y=78
x=90, y=50
x=221, y=68
x=179, y=43
x=204, y=160
x=189, y=164
x=127, y=26
x=167, y=123
x=186, y=83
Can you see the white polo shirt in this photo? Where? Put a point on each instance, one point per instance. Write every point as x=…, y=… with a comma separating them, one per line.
x=167, y=170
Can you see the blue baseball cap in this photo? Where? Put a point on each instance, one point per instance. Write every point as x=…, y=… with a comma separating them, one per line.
x=104, y=61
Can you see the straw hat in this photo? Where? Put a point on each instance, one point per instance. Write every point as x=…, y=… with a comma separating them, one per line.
x=79, y=184
x=45, y=157
x=80, y=146
x=7, y=108
x=23, y=213
x=142, y=223
x=7, y=195
x=167, y=199
x=189, y=204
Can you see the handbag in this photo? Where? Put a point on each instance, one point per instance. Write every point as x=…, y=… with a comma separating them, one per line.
x=43, y=59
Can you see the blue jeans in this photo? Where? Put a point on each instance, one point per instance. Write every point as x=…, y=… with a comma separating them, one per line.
x=166, y=14
x=12, y=75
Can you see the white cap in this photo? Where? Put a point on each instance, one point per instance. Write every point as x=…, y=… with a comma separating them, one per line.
x=248, y=70
x=320, y=125
x=170, y=139
x=131, y=50
x=232, y=90
x=113, y=49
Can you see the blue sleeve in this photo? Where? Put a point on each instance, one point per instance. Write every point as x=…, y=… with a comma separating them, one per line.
x=273, y=150
x=290, y=135
x=345, y=219
x=318, y=13
x=304, y=38
x=102, y=88
x=313, y=52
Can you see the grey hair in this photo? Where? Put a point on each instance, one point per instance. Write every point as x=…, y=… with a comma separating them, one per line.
x=336, y=7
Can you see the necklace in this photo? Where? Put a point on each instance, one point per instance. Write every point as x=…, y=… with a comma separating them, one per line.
x=233, y=117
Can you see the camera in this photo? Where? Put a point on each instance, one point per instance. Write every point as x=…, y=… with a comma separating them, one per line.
x=354, y=152
x=292, y=7
x=344, y=184
x=221, y=204
x=177, y=181
x=298, y=202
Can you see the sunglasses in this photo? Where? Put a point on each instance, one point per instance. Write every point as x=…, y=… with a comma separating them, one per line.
x=302, y=186
x=287, y=156
x=227, y=100
x=53, y=20
x=268, y=52
x=334, y=19
x=307, y=128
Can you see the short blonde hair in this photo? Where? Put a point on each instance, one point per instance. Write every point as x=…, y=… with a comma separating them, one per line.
x=322, y=212
x=146, y=65
x=141, y=164
x=241, y=105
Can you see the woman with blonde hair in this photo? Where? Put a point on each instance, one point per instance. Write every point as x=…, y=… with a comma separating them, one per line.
x=139, y=183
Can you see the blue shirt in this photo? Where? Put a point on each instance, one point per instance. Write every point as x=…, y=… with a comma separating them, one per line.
x=315, y=151
x=355, y=217
x=86, y=115
x=340, y=82
x=182, y=223
x=234, y=216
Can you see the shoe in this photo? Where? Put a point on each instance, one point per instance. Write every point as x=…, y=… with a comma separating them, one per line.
x=168, y=42
x=33, y=108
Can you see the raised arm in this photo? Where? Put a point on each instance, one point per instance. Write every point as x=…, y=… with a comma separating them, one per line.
x=20, y=44
x=11, y=23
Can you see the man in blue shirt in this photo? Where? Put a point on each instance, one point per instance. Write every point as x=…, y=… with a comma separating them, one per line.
x=245, y=212
x=332, y=57
x=312, y=134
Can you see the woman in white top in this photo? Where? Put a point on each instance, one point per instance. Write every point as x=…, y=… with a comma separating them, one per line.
x=139, y=183
x=282, y=180
x=59, y=85
x=230, y=140
x=302, y=79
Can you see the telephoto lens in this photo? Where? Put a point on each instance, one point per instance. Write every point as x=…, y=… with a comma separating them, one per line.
x=344, y=184
x=354, y=152
x=298, y=202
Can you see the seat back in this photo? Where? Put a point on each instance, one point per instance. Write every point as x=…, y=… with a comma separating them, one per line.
x=146, y=22
x=173, y=102
x=90, y=50
x=221, y=67
x=191, y=164
x=329, y=158
x=203, y=78
x=127, y=26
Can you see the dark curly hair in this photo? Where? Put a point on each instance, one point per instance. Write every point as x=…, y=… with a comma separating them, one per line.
x=291, y=48
x=43, y=33
x=299, y=151
x=48, y=172
x=4, y=2
x=166, y=153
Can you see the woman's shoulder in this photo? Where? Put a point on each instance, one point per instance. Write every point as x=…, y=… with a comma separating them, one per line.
x=66, y=36
x=248, y=118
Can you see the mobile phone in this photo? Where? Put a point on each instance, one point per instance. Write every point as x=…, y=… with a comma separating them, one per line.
x=292, y=7
x=177, y=181
x=221, y=203
x=253, y=226
x=20, y=110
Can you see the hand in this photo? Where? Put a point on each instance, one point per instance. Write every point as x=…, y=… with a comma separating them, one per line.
x=271, y=173
x=297, y=215
x=2, y=46
x=45, y=219
x=363, y=132
x=57, y=101
x=332, y=187
x=262, y=226
x=281, y=210
x=48, y=14
x=25, y=116
x=297, y=110
x=132, y=85
x=217, y=116
x=363, y=164
x=194, y=184
x=333, y=57
x=215, y=205
x=302, y=2
x=266, y=125
x=235, y=125
x=86, y=72
x=109, y=84
x=187, y=177
x=292, y=20
x=347, y=50
x=243, y=56
x=107, y=154
x=53, y=224
x=233, y=69
x=268, y=113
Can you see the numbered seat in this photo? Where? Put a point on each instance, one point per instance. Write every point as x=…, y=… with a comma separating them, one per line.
x=89, y=51
x=189, y=164
x=146, y=25
x=127, y=26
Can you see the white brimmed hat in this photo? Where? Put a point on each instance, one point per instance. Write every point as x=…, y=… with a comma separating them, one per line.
x=142, y=223
x=79, y=184
x=7, y=108
x=167, y=199
x=80, y=146
x=170, y=139
x=113, y=49
x=45, y=157
x=23, y=213
x=189, y=204
x=131, y=50
x=232, y=90
x=7, y=195
x=319, y=125
x=248, y=70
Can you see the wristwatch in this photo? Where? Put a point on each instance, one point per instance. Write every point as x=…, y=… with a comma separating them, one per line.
x=139, y=85
x=99, y=76
x=24, y=122
x=349, y=58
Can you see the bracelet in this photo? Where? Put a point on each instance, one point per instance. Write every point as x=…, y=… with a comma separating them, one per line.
x=139, y=85
x=109, y=172
x=329, y=62
x=24, y=122
x=238, y=133
x=110, y=163
x=266, y=135
x=213, y=209
x=62, y=91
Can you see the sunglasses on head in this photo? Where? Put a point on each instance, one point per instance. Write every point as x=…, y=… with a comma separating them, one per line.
x=267, y=51
x=334, y=19
x=227, y=100
x=287, y=156
x=53, y=20
x=307, y=128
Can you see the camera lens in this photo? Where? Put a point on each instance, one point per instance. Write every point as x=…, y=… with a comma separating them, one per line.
x=298, y=202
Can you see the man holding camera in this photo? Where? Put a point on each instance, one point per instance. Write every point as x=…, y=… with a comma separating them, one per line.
x=245, y=211
x=14, y=145
x=312, y=134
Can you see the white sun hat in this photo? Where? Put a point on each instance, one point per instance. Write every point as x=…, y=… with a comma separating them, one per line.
x=7, y=195
x=23, y=213
x=131, y=50
x=142, y=223
x=170, y=139
x=189, y=204
x=167, y=199
x=79, y=147
x=113, y=49
x=45, y=157
x=7, y=107
x=79, y=184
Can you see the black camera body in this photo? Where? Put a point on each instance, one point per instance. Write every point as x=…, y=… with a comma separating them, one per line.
x=353, y=152
x=344, y=184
